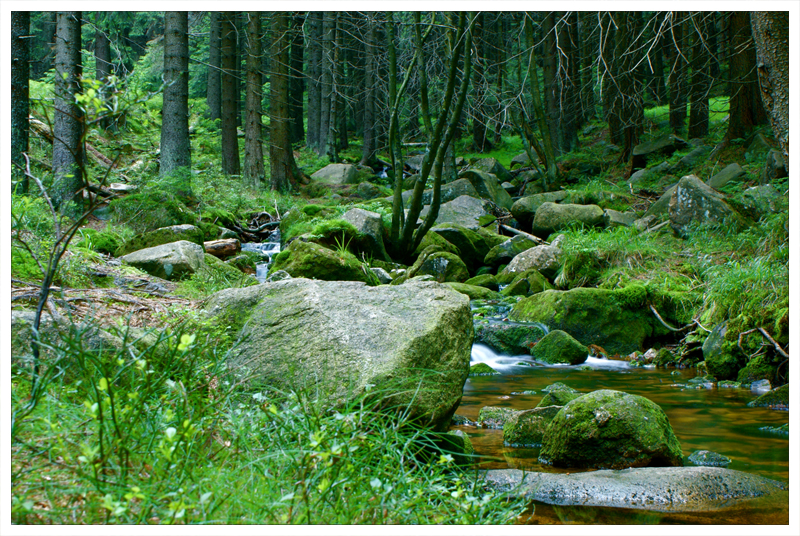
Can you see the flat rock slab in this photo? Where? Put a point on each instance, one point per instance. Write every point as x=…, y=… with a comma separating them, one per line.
x=673, y=489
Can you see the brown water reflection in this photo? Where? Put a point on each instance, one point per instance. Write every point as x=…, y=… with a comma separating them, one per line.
x=705, y=419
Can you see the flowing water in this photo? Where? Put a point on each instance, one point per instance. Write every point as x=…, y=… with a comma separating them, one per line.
x=267, y=250
x=702, y=419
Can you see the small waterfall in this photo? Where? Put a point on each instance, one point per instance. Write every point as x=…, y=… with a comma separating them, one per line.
x=267, y=250
x=508, y=363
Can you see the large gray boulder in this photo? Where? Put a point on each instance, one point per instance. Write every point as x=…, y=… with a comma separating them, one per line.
x=611, y=430
x=729, y=173
x=524, y=209
x=488, y=186
x=163, y=235
x=463, y=210
x=473, y=244
x=168, y=261
x=546, y=259
x=665, y=146
x=673, y=489
x=503, y=253
x=695, y=201
x=342, y=174
x=552, y=217
x=370, y=227
x=448, y=192
x=409, y=345
x=491, y=165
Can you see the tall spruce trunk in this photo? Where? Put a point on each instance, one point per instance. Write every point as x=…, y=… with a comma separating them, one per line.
x=102, y=59
x=283, y=169
x=253, y=150
x=175, y=149
x=678, y=73
x=229, y=87
x=68, y=128
x=700, y=80
x=20, y=103
x=297, y=83
x=369, y=146
x=746, y=109
x=313, y=79
x=213, y=87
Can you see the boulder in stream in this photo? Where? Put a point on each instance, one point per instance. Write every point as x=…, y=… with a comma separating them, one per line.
x=527, y=428
x=560, y=347
x=612, y=430
x=407, y=345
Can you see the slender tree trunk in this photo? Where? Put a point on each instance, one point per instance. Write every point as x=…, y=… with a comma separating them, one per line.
x=480, y=139
x=771, y=37
x=550, y=62
x=326, y=72
x=746, y=110
x=369, y=146
x=314, y=73
x=102, y=59
x=678, y=73
x=20, y=75
x=175, y=150
x=610, y=60
x=230, y=143
x=68, y=149
x=283, y=169
x=253, y=151
x=700, y=80
x=569, y=80
x=589, y=43
x=213, y=89
x=297, y=83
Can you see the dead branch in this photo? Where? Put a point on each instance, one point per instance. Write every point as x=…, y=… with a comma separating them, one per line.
x=766, y=336
x=522, y=233
x=684, y=328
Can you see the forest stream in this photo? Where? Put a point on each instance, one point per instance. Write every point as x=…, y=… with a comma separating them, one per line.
x=702, y=419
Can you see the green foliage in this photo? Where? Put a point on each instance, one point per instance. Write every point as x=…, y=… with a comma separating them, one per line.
x=160, y=433
x=151, y=209
x=212, y=277
x=105, y=241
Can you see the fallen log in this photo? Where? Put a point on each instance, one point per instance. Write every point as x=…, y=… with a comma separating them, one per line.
x=44, y=131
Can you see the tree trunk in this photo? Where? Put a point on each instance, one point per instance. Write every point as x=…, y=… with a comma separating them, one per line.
x=678, y=72
x=480, y=139
x=230, y=143
x=314, y=73
x=20, y=76
x=283, y=169
x=588, y=36
x=213, y=88
x=326, y=86
x=175, y=150
x=550, y=62
x=253, y=151
x=609, y=65
x=771, y=37
x=746, y=110
x=369, y=146
x=102, y=59
x=700, y=80
x=68, y=152
x=569, y=81
x=297, y=83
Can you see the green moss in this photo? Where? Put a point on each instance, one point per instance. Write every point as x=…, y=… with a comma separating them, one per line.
x=474, y=292
x=776, y=397
x=558, y=394
x=214, y=275
x=151, y=209
x=158, y=237
x=758, y=368
x=482, y=369
x=23, y=266
x=494, y=416
x=559, y=347
x=314, y=261
x=100, y=241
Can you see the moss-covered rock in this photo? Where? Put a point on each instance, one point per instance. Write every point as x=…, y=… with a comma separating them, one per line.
x=314, y=261
x=508, y=338
x=777, y=397
x=616, y=320
x=473, y=245
x=494, y=416
x=151, y=209
x=560, y=347
x=552, y=217
x=100, y=241
x=708, y=458
x=157, y=237
x=435, y=239
x=505, y=251
x=758, y=368
x=722, y=358
x=527, y=283
x=613, y=430
x=484, y=280
x=475, y=292
x=527, y=428
x=482, y=369
x=558, y=394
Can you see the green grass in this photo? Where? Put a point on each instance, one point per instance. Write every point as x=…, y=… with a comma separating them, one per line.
x=162, y=433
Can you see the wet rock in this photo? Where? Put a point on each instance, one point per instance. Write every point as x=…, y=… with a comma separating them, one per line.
x=611, y=429
x=708, y=458
x=527, y=428
x=474, y=292
x=494, y=416
x=168, y=261
x=560, y=347
x=673, y=489
x=694, y=201
x=552, y=217
x=778, y=397
x=509, y=338
x=482, y=369
x=363, y=338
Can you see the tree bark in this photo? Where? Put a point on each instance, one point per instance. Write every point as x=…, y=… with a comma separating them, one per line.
x=550, y=62
x=701, y=79
x=230, y=143
x=68, y=152
x=102, y=59
x=313, y=75
x=297, y=82
x=678, y=56
x=283, y=169
x=480, y=139
x=326, y=123
x=213, y=88
x=369, y=146
x=253, y=151
x=175, y=149
x=20, y=104
x=771, y=36
x=745, y=110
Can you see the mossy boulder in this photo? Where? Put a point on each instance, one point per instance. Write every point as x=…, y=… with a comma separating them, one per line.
x=558, y=394
x=494, y=416
x=560, y=347
x=338, y=174
x=758, y=368
x=508, y=338
x=723, y=359
x=409, y=345
x=491, y=166
x=448, y=192
x=552, y=217
x=482, y=369
x=314, y=261
x=696, y=202
x=435, y=239
x=463, y=210
x=474, y=292
x=708, y=458
x=546, y=258
x=100, y=241
x=527, y=283
x=151, y=209
x=157, y=237
x=611, y=430
x=527, y=428
x=524, y=209
x=174, y=261
x=616, y=320
x=505, y=251
x=484, y=280
x=777, y=397
x=443, y=266
x=369, y=229
x=488, y=186
x=473, y=244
